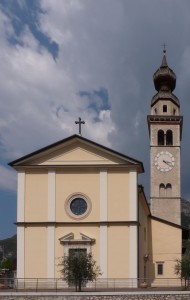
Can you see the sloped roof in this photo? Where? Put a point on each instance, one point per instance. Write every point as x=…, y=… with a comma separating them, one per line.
x=32, y=158
x=169, y=223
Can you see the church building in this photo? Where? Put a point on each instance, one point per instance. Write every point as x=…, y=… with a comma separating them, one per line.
x=77, y=193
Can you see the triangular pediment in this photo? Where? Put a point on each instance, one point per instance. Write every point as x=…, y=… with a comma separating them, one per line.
x=75, y=150
x=78, y=155
x=70, y=238
x=67, y=237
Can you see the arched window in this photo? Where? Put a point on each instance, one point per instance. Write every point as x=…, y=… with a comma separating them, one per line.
x=162, y=190
x=160, y=137
x=168, y=190
x=169, y=137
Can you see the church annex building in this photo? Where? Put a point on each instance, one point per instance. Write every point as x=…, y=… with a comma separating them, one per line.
x=79, y=194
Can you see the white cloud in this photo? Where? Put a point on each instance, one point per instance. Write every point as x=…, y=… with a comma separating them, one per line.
x=34, y=86
x=7, y=179
x=104, y=43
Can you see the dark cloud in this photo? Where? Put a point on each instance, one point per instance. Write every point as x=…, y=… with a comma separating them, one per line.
x=22, y=14
x=106, y=53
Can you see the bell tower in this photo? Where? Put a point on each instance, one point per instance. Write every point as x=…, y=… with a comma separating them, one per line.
x=165, y=131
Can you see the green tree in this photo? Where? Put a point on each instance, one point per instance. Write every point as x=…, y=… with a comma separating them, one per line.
x=78, y=268
x=6, y=267
x=182, y=268
x=6, y=264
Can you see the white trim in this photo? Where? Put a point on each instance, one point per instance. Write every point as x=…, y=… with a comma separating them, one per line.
x=103, y=250
x=51, y=251
x=133, y=197
x=103, y=195
x=20, y=252
x=51, y=195
x=133, y=252
x=20, y=196
x=69, y=238
x=103, y=217
x=68, y=206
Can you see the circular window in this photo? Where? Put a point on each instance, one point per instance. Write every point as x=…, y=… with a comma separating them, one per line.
x=78, y=206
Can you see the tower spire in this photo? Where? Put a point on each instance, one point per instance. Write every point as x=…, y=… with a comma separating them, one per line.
x=164, y=61
x=164, y=77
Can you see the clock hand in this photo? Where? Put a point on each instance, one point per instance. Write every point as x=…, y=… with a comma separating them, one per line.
x=167, y=162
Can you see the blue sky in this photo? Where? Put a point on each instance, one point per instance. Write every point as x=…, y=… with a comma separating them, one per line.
x=61, y=59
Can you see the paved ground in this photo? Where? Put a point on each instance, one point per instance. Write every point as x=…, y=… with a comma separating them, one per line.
x=151, y=290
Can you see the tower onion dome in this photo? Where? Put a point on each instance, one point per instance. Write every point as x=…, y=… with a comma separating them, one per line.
x=164, y=77
x=164, y=82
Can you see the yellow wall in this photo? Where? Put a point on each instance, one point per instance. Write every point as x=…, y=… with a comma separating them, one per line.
x=118, y=251
x=164, y=246
x=70, y=183
x=143, y=234
x=36, y=195
x=162, y=242
x=35, y=252
x=118, y=196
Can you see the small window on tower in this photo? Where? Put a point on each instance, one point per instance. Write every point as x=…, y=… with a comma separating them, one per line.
x=160, y=137
x=162, y=190
x=169, y=137
x=174, y=111
x=164, y=108
x=168, y=190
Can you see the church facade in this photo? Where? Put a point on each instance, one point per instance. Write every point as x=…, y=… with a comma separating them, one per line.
x=77, y=194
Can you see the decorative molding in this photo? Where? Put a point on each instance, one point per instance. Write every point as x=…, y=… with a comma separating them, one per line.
x=103, y=250
x=68, y=206
x=20, y=196
x=133, y=197
x=103, y=195
x=69, y=238
x=20, y=252
x=51, y=252
x=51, y=195
x=70, y=243
x=133, y=252
x=108, y=223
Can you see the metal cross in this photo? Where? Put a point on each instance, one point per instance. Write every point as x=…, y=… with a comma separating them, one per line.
x=79, y=122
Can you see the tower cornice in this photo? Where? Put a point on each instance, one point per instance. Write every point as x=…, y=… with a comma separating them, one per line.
x=165, y=120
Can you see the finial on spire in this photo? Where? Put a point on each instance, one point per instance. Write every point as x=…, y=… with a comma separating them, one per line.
x=164, y=48
x=164, y=61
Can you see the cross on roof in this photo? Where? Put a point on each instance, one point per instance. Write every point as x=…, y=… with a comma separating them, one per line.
x=80, y=122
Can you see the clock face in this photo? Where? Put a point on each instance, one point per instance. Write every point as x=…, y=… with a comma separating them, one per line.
x=78, y=206
x=164, y=161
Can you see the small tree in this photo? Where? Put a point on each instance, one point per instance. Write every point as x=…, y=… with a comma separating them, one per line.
x=78, y=268
x=182, y=268
x=6, y=264
x=6, y=267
